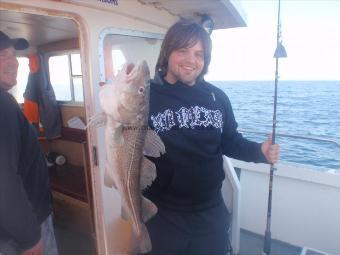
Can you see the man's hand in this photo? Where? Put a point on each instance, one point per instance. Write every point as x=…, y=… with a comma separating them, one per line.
x=270, y=151
x=35, y=250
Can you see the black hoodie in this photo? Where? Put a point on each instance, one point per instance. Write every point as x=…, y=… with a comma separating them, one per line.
x=24, y=184
x=197, y=125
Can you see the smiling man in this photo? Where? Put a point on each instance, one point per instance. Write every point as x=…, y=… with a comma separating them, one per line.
x=185, y=64
x=9, y=63
x=197, y=125
x=25, y=200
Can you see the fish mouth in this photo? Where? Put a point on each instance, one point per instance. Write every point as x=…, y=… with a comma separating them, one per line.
x=139, y=71
x=129, y=68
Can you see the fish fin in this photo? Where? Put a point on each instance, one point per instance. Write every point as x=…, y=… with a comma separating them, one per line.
x=153, y=146
x=109, y=177
x=149, y=209
x=124, y=213
x=118, y=138
x=97, y=120
x=148, y=173
x=141, y=241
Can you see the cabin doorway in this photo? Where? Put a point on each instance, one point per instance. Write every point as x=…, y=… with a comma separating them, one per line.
x=56, y=41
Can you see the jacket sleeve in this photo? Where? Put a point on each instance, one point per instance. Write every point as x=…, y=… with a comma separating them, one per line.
x=234, y=145
x=17, y=219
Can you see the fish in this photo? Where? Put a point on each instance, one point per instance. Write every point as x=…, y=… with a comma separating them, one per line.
x=128, y=139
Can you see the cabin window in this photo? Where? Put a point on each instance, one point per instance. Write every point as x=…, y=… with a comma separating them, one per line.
x=22, y=76
x=66, y=77
x=120, y=60
x=128, y=46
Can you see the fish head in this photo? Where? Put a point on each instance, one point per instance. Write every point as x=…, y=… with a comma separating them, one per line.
x=126, y=100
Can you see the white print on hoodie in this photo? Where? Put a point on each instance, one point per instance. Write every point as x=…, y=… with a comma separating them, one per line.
x=193, y=117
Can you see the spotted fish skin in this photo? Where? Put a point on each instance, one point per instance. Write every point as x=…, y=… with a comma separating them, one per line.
x=125, y=105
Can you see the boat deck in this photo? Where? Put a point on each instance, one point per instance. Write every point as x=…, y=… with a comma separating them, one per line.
x=71, y=243
x=252, y=244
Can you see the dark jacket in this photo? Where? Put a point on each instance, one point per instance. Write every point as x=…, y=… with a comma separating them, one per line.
x=197, y=125
x=24, y=185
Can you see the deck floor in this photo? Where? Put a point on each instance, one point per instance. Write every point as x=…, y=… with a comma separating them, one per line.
x=252, y=244
x=71, y=242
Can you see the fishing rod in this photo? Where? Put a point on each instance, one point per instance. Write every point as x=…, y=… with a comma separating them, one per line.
x=280, y=52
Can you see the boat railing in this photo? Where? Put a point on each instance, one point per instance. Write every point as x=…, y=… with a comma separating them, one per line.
x=315, y=138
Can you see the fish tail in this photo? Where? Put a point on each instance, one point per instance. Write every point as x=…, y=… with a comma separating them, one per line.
x=141, y=241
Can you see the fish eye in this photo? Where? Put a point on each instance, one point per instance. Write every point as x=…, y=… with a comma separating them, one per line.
x=141, y=90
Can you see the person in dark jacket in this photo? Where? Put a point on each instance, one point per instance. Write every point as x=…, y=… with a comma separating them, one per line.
x=25, y=199
x=195, y=121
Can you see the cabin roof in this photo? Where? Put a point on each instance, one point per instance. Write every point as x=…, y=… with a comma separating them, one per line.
x=39, y=29
x=225, y=13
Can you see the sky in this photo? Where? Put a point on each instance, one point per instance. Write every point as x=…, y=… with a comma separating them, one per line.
x=310, y=34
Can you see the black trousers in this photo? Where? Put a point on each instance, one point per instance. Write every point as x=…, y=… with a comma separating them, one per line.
x=190, y=233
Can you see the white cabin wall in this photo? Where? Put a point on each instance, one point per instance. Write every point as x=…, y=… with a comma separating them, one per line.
x=305, y=207
x=92, y=22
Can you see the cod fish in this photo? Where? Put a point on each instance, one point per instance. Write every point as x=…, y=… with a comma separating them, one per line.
x=125, y=105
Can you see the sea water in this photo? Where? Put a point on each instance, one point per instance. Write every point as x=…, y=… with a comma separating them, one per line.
x=304, y=108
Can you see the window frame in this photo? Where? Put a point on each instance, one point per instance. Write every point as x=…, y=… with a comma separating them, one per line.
x=124, y=32
x=71, y=102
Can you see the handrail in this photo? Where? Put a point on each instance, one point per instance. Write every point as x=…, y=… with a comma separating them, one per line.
x=295, y=136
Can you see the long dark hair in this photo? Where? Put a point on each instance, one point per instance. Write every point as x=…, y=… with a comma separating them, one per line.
x=184, y=34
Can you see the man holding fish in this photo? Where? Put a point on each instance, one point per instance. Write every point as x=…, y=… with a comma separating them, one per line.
x=195, y=121
x=192, y=126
